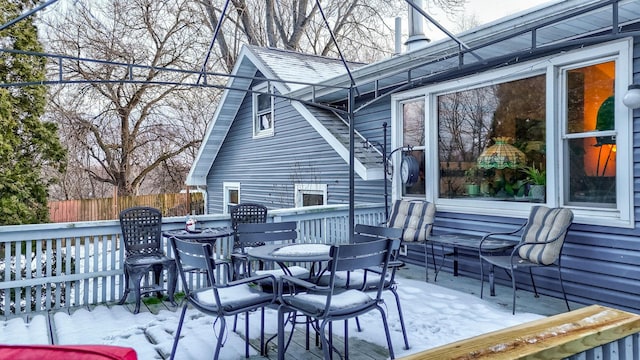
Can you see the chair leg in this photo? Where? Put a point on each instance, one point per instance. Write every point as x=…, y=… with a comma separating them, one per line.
x=177, y=335
x=513, y=286
x=263, y=351
x=136, y=278
x=426, y=262
x=481, y=279
x=564, y=293
x=404, y=329
x=126, y=287
x=223, y=328
x=386, y=331
x=172, y=274
x=246, y=334
x=346, y=339
x=533, y=283
x=281, y=347
x=492, y=281
x=326, y=348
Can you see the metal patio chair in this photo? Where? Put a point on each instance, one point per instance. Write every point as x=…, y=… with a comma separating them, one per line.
x=366, y=233
x=541, y=241
x=142, y=238
x=415, y=218
x=326, y=304
x=219, y=300
x=258, y=234
x=245, y=213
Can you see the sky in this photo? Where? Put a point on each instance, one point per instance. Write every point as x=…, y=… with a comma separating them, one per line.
x=484, y=11
x=442, y=317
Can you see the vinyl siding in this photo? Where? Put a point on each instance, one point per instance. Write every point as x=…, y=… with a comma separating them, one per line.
x=268, y=168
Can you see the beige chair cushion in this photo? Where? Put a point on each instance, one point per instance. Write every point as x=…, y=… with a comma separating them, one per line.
x=414, y=217
x=545, y=224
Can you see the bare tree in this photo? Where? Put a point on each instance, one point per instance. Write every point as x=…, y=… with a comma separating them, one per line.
x=123, y=130
x=362, y=27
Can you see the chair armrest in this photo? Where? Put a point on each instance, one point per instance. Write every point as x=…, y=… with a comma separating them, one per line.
x=254, y=279
x=511, y=232
x=301, y=283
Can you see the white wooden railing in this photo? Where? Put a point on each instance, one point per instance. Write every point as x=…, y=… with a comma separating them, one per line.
x=53, y=266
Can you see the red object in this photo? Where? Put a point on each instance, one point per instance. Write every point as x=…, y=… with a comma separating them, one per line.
x=64, y=352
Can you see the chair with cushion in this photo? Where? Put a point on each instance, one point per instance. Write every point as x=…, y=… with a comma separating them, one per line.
x=213, y=298
x=415, y=218
x=332, y=302
x=142, y=237
x=541, y=241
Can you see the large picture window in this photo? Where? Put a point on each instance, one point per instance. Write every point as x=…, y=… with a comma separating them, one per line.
x=490, y=140
x=553, y=132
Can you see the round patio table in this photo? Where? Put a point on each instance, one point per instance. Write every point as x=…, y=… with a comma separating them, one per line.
x=283, y=253
x=200, y=235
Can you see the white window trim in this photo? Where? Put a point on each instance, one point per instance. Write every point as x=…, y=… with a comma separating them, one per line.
x=621, y=216
x=301, y=189
x=257, y=133
x=226, y=186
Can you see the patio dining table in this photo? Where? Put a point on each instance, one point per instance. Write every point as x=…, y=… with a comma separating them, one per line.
x=284, y=254
x=200, y=235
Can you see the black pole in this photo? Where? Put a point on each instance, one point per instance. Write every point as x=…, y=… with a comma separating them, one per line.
x=386, y=168
x=352, y=151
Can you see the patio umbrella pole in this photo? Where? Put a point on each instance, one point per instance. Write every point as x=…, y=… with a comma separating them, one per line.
x=351, y=165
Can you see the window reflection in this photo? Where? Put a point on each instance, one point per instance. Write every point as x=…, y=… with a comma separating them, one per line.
x=413, y=135
x=503, y=122
x=591, y=160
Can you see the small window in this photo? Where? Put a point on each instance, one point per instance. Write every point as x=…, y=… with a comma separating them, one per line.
x=231, y=193
x=310, y=194
x=262, y=112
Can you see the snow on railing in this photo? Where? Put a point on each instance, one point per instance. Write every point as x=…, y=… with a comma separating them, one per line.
x=64, y=265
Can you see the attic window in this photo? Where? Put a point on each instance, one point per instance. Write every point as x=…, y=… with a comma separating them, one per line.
x=262, y=112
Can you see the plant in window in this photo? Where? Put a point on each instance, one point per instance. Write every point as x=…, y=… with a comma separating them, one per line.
x=471, y=176
x=537, y=179
x=535, y=176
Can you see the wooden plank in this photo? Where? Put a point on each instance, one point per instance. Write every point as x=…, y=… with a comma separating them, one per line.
x=554, y=337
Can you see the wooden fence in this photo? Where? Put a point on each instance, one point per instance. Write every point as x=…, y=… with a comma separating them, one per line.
x=109, y=208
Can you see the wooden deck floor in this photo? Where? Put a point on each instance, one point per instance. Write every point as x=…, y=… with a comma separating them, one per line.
x=362, y=350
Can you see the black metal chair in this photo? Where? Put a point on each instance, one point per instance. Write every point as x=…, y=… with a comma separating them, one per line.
x=366, y=233
x=246, y=213
x=415, y=218
x=142, y=238
x=329, y=303
x=541, y=241
x=257, y=234
x=216, y=299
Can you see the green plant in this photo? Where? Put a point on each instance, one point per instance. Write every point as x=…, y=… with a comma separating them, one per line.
x=471, y=175
x=535, y=176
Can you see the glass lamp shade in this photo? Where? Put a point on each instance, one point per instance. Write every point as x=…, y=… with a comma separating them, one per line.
x=501, y=155
x=632, y=98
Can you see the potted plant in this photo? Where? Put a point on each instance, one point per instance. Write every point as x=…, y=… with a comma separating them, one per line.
x=537, y=179
x=471, y=181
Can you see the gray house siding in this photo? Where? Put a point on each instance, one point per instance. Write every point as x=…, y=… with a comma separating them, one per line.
x=295, y=154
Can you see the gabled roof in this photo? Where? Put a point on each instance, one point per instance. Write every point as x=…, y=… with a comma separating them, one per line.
x=274, y=64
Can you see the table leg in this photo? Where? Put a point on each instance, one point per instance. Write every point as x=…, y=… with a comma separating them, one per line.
x=492, y=287
x=455, y=261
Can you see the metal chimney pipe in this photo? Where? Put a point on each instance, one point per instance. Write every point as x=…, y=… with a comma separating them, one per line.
x=417, y=39
x=398, y=36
